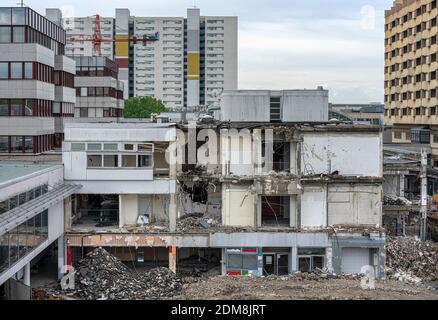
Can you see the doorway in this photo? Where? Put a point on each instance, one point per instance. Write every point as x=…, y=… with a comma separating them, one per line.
x=268, y=264
x=275, y=263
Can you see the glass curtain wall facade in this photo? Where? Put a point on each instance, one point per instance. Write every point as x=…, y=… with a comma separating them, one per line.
x=23, y=239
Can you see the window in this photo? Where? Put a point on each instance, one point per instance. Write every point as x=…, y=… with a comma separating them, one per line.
x=249, y=261
x=28, y=109
x=275, y=109
x=37, y=192
x=30, y=195
x=5, y=34
x=94, y=147
x=13, y=203
x=18, y=34
x=4, y=208
x=28, y=144
x=4, y=70
x=4, y=141
x=129, y=147
x=16, y=144
x=144, y=161
x=5, y=16
x=4, y=108
x=110, y=161
x=78, y=147
x=110, y=147
x=310, y=259
x=16, y=70
x=145, y=147
x=234, y=261
x=16, y=107
x=94, y=161
x=129, y=161
x=83, y=112
x=28, y=72
x=21, y=198
x=18, y=16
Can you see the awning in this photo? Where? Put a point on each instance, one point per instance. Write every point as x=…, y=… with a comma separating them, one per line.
x=12, y=218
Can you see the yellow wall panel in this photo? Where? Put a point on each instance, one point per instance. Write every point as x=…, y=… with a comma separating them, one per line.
x=193, y=66
x=122, y=47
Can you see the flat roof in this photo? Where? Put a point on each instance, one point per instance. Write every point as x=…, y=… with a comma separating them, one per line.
x=307, y=126
x=10, y=171
x=406, y=148
x=119, y=125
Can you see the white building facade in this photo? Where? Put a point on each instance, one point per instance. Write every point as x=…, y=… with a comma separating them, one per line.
x=123, y=160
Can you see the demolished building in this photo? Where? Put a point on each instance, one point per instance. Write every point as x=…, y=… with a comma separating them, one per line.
x=268, y=186
x=402, y=189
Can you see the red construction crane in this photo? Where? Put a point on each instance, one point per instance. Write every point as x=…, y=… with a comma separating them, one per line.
x=97, y=39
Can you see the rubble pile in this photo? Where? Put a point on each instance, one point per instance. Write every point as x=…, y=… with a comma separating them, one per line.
x=395, y=201
x=411, y=260
x=153, y=227
x=102, y=276
x=196, y=221
x=304, y=286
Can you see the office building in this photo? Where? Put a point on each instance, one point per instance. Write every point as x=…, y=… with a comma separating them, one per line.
x=411, y=100
x=36, y=81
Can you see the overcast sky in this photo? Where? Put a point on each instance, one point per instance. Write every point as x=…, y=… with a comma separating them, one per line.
x=282, y=43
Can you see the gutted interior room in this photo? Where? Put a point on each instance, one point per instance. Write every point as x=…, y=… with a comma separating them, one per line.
x=275, y=210
x=96, y=210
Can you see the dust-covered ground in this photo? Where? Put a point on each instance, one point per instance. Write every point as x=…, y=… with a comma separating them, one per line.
x=301, y=288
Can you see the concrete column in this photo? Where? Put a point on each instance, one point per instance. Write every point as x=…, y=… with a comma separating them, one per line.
x=172, y=259
x=26, y=279
x=402, y=185
x=121, y=216
x=257, y=212
x=61, y=257
x=404, y=225
x=173, y=208
x=172, y=212
x=329, y=259
x=224, y=262
x=293, y=266
x=382, y=260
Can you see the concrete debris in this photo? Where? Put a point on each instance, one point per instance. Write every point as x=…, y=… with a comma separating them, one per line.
x=196, y=221
x=46, y=294
x=101, y=276
x=300, y=286
x=411, y=260
x=395, y=201
x=406, y=277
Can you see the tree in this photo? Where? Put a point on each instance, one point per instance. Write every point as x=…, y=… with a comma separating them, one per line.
x=143, y=107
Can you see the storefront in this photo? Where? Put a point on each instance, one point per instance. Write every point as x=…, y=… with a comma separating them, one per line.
x=244, y=262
